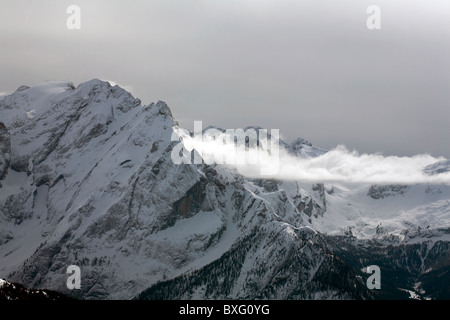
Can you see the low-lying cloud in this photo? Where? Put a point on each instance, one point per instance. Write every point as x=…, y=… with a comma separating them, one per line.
x=336, y=165
x=342, y=165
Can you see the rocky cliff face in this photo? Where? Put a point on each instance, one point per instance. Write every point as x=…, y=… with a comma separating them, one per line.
x=91, y=183
x=5, y=150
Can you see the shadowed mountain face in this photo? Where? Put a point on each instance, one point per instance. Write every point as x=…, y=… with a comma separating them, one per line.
x=5, y=150
x=87, y=179
x=15, y=291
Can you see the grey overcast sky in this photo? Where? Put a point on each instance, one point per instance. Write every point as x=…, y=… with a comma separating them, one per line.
x=309, y=68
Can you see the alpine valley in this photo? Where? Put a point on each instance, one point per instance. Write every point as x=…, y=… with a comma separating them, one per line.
x=87, y=179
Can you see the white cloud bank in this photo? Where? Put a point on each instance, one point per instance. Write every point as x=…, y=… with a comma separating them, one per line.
x=342, y=165
x=337, y=165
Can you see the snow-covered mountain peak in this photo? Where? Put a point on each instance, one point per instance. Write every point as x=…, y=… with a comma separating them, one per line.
x=299, y=143
x=303, y=148
x=22, y=88
x=163, y=108
x=27, y=102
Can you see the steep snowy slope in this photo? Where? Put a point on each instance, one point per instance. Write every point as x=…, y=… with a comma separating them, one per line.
x=88, y=180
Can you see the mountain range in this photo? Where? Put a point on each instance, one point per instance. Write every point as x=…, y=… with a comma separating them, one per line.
x=87, y=179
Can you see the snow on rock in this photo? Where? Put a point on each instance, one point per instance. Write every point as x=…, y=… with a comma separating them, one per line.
x=88, y=180
x=438, y=167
